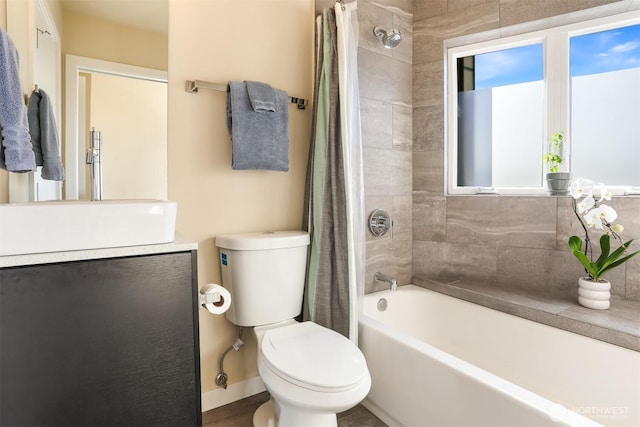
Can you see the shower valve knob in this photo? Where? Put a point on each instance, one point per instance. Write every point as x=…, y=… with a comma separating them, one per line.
x=379, y=222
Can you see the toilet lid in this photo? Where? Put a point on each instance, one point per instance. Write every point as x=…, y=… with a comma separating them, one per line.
x=313, y=357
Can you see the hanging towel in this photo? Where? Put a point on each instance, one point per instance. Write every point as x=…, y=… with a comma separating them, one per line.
x=44, y=135
x=259, y=140
x=262, y=97
x=16, y=153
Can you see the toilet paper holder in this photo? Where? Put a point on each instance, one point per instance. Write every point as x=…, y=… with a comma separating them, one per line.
x=210, y=298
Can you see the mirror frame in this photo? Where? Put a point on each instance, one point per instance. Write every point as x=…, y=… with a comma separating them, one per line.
x=73, y=66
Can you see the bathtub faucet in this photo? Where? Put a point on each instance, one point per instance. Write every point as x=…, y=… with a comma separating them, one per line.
x=379, y=277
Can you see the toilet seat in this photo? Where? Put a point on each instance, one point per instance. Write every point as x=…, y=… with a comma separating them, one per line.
x=313, y=357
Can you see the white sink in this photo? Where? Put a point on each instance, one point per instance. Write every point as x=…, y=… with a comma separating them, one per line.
x=37, y=227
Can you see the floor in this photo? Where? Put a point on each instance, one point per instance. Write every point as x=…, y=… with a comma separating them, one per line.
x=240, y=414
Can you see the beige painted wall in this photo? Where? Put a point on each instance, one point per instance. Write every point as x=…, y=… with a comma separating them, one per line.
x=95, y=38
x=3, y=14
x=132, y=116
x=221, y=41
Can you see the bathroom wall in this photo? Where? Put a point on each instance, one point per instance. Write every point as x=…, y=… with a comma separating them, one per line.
x=510, y=241
x=217, y=42
x=3, y=14
x=385, y=77
x=89, y=36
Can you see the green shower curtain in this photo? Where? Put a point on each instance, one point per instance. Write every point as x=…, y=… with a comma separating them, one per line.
x=333, y=269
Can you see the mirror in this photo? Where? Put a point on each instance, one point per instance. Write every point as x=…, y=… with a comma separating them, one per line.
x=119, y=43
x=128, y=106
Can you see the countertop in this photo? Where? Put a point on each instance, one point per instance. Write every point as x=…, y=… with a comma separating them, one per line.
x=178, y=245
x=619, y=325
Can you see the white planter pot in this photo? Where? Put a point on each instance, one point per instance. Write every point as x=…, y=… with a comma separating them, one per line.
x=594, y=295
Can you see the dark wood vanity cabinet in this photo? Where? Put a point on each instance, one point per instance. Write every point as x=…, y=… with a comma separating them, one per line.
x=105, y=342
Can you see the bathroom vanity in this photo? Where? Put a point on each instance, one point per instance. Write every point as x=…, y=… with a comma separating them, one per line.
x=100, y=337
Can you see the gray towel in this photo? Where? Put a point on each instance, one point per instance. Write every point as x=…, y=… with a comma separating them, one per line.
x=44, y=136
x=262, y=97
x=16, y=153
x=260, y=141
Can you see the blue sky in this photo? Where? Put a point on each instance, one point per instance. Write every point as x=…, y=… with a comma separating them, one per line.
x=600, y=52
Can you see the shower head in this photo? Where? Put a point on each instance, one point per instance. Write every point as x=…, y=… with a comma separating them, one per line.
x=390, y=38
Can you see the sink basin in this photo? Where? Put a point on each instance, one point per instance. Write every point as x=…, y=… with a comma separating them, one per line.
x=69, y=225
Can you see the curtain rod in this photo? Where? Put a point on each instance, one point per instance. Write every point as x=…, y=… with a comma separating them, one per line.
x=192, y=86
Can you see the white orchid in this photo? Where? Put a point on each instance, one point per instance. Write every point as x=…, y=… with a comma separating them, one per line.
x=581, y=187
x=598, y=216
x=586, y=204
x=601, y=216
x=605, y=193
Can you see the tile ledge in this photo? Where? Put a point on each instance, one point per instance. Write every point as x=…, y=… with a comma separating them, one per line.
x=620, y=325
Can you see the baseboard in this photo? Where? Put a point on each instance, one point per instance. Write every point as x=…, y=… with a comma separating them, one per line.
x=236, y=391
x=378, y=412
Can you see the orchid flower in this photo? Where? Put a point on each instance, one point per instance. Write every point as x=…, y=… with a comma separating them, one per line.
x=598, y=216
x=581, y=187
x=605, y=193
x=586, y=204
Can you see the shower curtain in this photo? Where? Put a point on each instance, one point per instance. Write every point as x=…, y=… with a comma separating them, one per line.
x=334, y=192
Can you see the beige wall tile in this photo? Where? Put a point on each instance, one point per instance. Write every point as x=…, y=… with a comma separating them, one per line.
x=425, y=92
x=387, y=172
x=429, y=217
x=401, y=215
x=517, y=11
x=402, y=128
x=633, y=277
x=377, y=123
x=428, y=172
x=431, y=32
x=503, y=221
x=428, y=8
x=428, y=128
x=384, y=78
x=546, y=270
x=452, y=261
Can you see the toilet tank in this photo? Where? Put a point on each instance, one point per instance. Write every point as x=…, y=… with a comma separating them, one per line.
x=265, y=274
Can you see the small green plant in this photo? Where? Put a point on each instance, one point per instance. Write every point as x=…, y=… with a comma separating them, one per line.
x=553, y=156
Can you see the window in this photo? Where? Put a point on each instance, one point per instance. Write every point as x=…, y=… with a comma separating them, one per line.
x=506, y=97
x=605, y=106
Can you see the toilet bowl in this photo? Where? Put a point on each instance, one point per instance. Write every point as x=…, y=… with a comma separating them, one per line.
x=311, y=372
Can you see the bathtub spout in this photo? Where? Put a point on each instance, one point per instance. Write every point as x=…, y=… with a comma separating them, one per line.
x=379, y=277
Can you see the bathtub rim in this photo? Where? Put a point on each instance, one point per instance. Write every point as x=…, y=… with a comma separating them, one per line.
x=614, y=326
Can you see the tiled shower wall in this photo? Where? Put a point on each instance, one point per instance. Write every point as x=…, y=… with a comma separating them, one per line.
x=499, y=240
x=386, y=112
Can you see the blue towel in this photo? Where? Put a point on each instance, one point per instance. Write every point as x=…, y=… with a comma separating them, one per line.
x=44, y=136
x=262, y=97
x=260, y=141
x=16, y=153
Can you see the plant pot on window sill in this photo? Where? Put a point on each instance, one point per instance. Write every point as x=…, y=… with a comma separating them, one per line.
x=594, y=295
x=558, y=183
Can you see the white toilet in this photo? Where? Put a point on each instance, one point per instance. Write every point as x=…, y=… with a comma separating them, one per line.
x=310, y=371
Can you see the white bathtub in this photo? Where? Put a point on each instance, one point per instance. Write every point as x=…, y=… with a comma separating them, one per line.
x=440, y=361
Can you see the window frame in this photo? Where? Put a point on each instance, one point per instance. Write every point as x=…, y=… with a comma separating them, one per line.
x=555, y=34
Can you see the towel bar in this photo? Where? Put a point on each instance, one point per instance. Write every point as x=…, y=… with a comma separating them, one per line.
x=192, y=86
